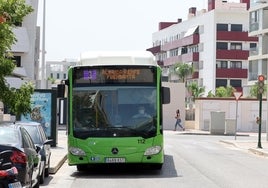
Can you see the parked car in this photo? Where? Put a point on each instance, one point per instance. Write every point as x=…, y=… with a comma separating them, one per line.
x=40, y=139
x=25, y=155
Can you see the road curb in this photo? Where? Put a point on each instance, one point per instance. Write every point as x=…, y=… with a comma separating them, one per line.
x=53, y=170
x=252, y=150
x=230, y=143
x=258, y=152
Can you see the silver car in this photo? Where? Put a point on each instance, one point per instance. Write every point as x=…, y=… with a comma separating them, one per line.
x=40, y=139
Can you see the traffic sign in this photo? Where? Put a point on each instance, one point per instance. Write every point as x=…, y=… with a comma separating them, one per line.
x=237, y=95
x=261, y=79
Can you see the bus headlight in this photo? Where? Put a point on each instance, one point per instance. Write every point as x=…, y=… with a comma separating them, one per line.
x=152, y=150
x=77, y=151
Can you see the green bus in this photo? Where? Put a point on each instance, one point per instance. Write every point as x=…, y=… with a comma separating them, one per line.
x=115, y=110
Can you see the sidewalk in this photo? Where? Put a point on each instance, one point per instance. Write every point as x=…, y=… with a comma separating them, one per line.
x=250, y=143
x=58, y=153
x=247, y=141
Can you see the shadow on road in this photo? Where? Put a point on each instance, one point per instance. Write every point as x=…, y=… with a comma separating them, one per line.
x=129, y=171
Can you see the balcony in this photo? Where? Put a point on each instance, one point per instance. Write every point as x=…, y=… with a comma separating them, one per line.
x=155, y=49
x=231, y=73
x=232, y=54
x=189, y=57
x=235, y=36
x=195, y=75
x=187, y=41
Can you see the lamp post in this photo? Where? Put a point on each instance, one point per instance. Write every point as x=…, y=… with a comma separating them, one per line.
x=43, y=67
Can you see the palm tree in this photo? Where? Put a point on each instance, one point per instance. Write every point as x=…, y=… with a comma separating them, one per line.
x=195, y=90
x=183, y=70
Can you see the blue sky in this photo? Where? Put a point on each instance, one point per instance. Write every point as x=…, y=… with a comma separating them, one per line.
x=75, y=26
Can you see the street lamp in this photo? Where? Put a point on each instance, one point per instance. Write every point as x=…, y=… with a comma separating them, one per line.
x=43, y=67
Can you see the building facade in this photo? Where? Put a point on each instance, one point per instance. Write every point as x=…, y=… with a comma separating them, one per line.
x=258, y=27
x=214, y=41
x=56, y=71
x=26, y=49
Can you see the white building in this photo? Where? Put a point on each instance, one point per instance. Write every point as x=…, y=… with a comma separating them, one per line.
x=258, y=26
x=26, y=49
x=214, y=41
x=57, y=70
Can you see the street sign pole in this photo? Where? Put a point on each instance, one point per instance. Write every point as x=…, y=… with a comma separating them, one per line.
x=261, y=79
x=260, y=120
x=237, y=96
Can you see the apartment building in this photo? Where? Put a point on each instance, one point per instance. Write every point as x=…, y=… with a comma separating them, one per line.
x=214, y=41
x=26, y=49
x=57, y=70
x=258, y=27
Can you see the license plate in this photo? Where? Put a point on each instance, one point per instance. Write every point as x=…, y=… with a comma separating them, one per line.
x=15, y=185
x=115, y=160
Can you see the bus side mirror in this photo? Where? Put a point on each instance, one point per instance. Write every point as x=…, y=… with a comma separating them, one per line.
x=165, y=95
x=60, y=90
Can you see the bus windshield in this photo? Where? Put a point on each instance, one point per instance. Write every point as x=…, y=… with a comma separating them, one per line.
x=114, y=111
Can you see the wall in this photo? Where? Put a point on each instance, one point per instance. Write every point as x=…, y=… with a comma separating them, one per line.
x=247, y=112
x=177, y=101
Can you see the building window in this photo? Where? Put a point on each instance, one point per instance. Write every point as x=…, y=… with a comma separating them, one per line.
x=252, y=45
x=51, y=75
x=254, y=18
x=58, y=75
x=235, y=83
x=236, y=64
x=174, y=52
x=17, y=60
x=184, y=50
x=236, y=46
x=222, y=27
x=222, y=64
x=254, y=21
x=236, y=27
x=253, y=48
x=64, y=76
x=222, y=46
x=221, y=82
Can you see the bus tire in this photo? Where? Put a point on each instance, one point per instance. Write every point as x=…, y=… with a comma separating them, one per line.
x=156, y=166
x=81, y=168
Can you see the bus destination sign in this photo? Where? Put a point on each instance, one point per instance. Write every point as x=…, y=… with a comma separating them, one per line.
x=123, y=74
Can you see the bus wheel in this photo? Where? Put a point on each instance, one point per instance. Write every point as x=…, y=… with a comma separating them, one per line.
x=81, y=168
x=156, y=166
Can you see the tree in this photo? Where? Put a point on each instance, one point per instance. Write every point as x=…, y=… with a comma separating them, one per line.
x=224, y=91
x=210, y=94
x=254, y=90
x=12, y=12
x=183, y=70
x=195, y=90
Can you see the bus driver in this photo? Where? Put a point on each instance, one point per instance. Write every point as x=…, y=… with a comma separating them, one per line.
x=141, y=113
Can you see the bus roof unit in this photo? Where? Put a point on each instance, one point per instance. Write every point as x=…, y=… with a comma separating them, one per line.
x=117, y=58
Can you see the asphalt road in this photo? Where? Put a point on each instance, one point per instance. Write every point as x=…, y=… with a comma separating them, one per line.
x=190, y=161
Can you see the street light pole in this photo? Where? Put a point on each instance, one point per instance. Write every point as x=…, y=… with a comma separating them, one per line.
x=43, y=67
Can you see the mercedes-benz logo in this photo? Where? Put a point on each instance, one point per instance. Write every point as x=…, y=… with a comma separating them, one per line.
x=115, y=151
